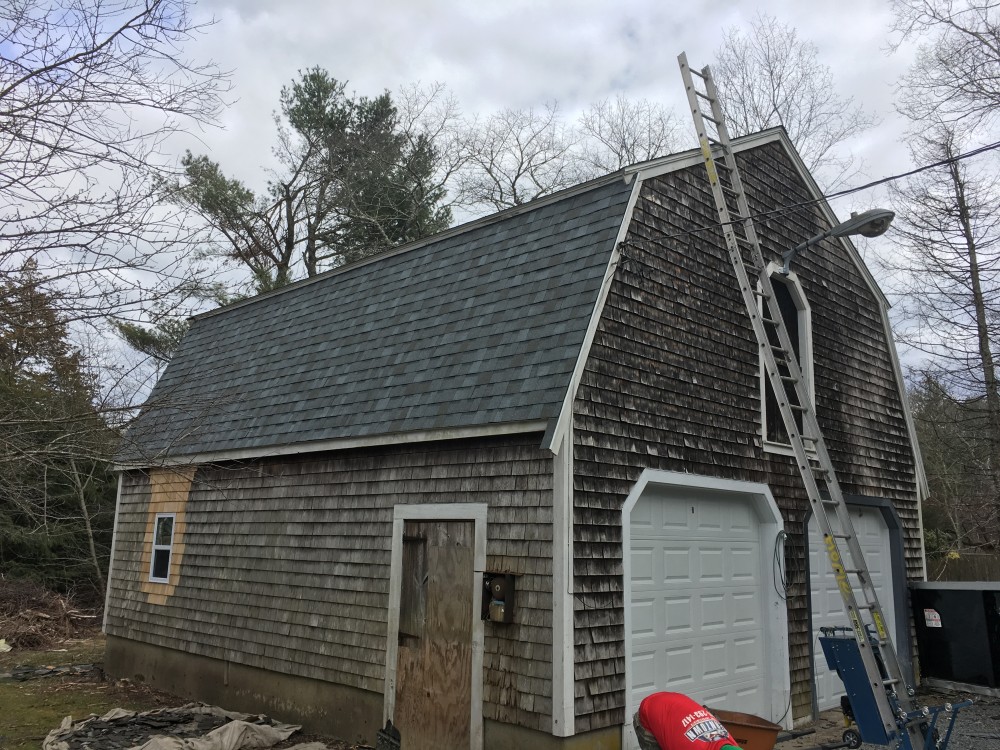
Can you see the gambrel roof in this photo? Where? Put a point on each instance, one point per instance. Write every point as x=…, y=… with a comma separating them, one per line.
x=477, y=326
x=481, y=329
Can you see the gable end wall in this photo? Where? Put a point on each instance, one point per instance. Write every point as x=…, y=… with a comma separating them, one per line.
x=672, y=383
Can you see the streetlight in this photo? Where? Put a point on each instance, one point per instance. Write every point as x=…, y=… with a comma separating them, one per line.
x=869, y=224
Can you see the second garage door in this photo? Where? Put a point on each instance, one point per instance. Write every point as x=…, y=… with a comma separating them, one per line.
x=697, y=607
x=827, y=604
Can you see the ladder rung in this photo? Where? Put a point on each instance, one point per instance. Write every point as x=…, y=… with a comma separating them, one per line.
x=789, y=379
x=706, y=97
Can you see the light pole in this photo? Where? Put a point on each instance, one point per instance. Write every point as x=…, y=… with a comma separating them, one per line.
x=869, y=224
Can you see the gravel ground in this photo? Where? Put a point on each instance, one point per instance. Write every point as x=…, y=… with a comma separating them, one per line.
x=977, y=727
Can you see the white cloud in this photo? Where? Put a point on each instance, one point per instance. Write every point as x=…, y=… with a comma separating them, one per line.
x=519, y=54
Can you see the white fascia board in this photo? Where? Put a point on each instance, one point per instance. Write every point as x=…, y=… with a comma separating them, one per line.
x=320, y=446
x=111, y=560
x=693, y=157
x=563, y=686
x=565, y=420
x=923, y=489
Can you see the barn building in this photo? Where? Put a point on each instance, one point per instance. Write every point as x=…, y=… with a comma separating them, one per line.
x=499, y=484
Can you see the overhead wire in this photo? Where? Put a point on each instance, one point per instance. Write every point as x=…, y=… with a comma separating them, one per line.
x=795, y=207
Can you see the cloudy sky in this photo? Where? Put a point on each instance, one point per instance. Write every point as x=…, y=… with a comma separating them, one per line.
x=520, y=54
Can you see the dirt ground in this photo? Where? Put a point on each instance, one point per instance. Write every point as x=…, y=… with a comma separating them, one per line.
x=30, y=708
x=34, y=706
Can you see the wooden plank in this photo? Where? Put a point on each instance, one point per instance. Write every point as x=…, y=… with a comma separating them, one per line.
x=434, y=686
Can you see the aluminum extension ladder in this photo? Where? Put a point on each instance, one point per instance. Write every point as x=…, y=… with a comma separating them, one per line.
x=893, y=697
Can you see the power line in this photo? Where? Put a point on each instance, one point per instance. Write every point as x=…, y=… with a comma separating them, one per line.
x=795, y=207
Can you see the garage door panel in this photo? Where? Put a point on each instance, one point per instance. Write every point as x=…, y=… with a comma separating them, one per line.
x=703, y=518
x=643, y=673
x=828, y=606
x=695, y=563
x=697, y=601
x=657, y=616
x=642, y=565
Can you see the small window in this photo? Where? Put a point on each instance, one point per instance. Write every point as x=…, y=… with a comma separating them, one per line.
x=163, y=542
x=794, y=312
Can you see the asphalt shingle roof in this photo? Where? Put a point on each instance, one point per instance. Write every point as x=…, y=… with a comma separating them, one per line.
x=476, y=328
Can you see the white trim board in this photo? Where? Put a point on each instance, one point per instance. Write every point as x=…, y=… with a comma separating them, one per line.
x=475, y=512
x=563, y=701
x=775, y=620
x=111, y=559
x=565, y=419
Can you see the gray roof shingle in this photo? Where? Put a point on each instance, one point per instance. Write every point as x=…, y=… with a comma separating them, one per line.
x=478, y=327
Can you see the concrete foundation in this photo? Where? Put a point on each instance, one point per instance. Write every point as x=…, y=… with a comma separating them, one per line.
x=320, y=707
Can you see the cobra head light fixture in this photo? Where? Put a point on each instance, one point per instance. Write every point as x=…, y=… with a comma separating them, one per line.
x=871, y=223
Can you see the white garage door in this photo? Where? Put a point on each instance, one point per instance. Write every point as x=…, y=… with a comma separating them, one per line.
x=696, y=601
x=827, y=604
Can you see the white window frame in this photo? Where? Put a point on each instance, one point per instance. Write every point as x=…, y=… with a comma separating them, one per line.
x=794, y=286
x=168, y=547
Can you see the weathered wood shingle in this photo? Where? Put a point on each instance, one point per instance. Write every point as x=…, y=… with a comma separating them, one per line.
x=286, y=563
x=672, y=383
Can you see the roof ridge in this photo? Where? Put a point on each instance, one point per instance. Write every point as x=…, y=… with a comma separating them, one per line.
x=460, y=229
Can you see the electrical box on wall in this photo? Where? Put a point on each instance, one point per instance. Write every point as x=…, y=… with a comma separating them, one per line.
x=498, y=597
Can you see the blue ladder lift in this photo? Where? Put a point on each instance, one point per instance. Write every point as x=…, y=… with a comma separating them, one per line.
x=863, y=653
x=843, y=656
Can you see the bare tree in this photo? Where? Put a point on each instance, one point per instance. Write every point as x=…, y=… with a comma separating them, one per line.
x=950, y=286
x=769, y=76
x=431, y=113
x=516, y=156
x=619, y=132
x=89, y=91
x=957, y=71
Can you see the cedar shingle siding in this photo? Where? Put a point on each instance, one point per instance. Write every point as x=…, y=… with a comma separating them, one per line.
x=286, y=563
x=672, y=383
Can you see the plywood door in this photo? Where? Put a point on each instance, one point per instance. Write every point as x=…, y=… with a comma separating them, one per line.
x=433, y=707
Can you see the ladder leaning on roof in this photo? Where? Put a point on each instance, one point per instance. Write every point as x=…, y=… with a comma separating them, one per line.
x=892, y=696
